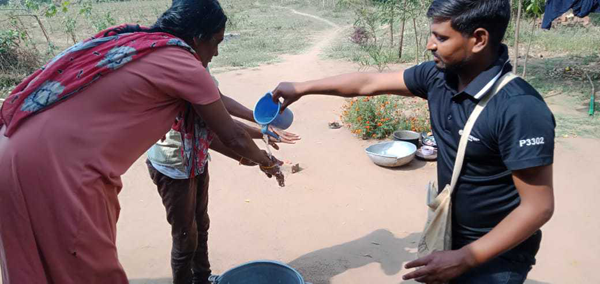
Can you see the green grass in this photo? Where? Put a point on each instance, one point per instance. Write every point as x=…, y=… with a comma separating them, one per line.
x=571, y=114
x=562, y=81
x=595, y=19
x=568, y=40
x=102, y=15
x=339, y=15
x=575, y=47
x=262, y=34
x=387, y=53
x=562, y=74
x=378, y=56
x=559, y=40
x=557, y=63
x=582, y=126
x=344, y=49
x=265, y=32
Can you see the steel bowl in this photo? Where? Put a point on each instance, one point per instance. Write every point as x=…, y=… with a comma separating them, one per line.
x=408, y=136
x=392, y=154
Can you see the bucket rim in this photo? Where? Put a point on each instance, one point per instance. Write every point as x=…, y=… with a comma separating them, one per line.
x=279, y=263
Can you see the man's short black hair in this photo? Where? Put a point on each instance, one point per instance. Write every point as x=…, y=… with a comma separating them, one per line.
x=468, y=15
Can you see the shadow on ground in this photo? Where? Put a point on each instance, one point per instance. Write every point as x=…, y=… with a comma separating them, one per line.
x=380, y=246
x=415, y=164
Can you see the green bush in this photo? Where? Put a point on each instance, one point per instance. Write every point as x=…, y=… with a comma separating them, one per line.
x=102, y=22
x=14, y=57
x=9, y=40
x=16, y=61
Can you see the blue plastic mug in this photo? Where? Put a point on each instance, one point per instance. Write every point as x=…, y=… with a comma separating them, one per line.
x=267, y=112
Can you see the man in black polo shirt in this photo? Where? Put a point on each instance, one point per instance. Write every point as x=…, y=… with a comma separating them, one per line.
x=504, y=193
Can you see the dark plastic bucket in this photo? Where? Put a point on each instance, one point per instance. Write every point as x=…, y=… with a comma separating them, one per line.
x=260, y=272
x=407, y=136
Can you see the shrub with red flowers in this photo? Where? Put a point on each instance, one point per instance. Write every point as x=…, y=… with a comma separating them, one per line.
x=378, y=117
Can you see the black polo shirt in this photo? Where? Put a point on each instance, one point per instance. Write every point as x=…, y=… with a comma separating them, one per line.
x=515, y=131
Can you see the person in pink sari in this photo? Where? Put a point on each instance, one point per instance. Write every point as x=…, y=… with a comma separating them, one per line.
x=70, y=130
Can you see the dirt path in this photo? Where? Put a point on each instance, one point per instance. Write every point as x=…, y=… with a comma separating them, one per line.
x=342, y=219
x=330, y=23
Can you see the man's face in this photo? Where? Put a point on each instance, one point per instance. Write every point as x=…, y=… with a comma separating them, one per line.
x=207, y=49
x=451, y=49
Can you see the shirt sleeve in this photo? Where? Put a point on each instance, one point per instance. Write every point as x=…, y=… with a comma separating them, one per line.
x=419, y=78
x=526, y=136
x=183, y=76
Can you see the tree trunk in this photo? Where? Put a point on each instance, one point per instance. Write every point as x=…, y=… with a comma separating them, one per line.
x=374, y=32
x=402, y=31
x=517, y=30
x=416, y=41
x=24, y=29
x=43, y=30
x=529, y=47
x=392, y=26
x=401, y=38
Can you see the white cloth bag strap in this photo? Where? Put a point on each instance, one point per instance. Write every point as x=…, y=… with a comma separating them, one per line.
x=464, y=139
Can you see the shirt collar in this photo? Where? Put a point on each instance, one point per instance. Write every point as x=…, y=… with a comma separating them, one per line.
x=486, y=79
